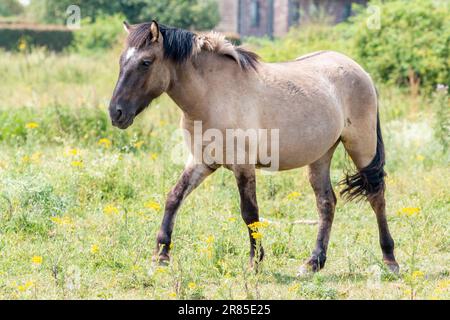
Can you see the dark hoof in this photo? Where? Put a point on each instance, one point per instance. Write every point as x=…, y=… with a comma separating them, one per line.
x=311, y=266
x=393, y=267
x=162, y=259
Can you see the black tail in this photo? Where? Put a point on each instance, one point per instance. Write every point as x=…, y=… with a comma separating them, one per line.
x=369, y=181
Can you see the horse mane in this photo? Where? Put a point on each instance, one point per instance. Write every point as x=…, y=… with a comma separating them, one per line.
x=181, y=45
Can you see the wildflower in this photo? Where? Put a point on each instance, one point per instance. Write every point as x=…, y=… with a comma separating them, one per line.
x=61, y=221
x=232, y=219
x=37, y=260
x=160, y=270
x=104, y=142
x=32, y=125
x=256, y=235
x=71, y=152
x=209, y=239
x=294, y=287
x=152, y=205
x=95, y=249
x=36, y=157
x=27, y=285
x=293, y=195
x=192, y=285
x=22, y=45
x=172, y=295
x=408, y=211
x=139, y=144
x=110, y=210
x=258, y=224
x=420, y=157
x=153, y=156
x=77, y=164
x=417, y=275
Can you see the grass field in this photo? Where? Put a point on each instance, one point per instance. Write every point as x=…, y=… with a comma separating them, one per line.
x=81, y=202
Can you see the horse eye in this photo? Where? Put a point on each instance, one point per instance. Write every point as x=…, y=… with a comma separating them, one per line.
x=146, y=63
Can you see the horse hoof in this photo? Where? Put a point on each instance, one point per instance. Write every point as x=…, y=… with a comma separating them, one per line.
x=305, y=271
x=162, y=260
x=393, y=267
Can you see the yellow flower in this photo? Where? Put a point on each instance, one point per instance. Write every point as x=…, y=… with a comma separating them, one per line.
x=152, y=205
x=27, y=285
x=258, y=224
x=32, y=125
x=110, y=210
x=62, y=221
x=209, y=239
x=256, y=235
x=172, y=295
x=77, y=164
x=139, y=144
x=294, y=287
x=420, y=157
x=22, y=45
x=192, y=285
x=160, y=270
x=153, y=156
x=293, y=195
x=417, y=275
x=95, y=249
x=104, y=142
x=36, y=260
x=408, y=211
x=71, y=152
x=36, y=157
x=232, y=219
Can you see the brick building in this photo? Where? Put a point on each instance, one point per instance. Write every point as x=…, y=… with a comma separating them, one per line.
x=276, y=17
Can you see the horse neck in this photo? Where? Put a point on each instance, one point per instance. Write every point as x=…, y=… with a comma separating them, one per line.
x=203, y=79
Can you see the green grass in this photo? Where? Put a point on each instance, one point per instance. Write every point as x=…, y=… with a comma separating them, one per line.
x=53, y=200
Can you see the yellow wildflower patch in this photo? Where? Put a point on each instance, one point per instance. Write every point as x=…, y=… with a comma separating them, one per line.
x=95, y=249
x=153, y=156
x=258, y=225
x=77, y=164
x=104, y=142
x=110, y=210
x=36, y=260
x=192, y=285
x=32, y=125
x=152, y=205
x=408, y=211
x=257, y=235
x=293, y=195
x=71, y=152
x=139, y=144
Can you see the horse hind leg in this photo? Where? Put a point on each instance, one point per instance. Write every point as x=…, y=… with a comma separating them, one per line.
x=319, y=177
x=367, y=152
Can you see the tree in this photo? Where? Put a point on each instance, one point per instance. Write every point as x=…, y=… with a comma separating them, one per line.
x=10, y=8
x=189, y=14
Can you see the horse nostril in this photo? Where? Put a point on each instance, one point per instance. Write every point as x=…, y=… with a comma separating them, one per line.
x=119, y=111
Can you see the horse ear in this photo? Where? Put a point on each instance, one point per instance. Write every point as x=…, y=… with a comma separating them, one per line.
x=154, y=31
x=126, y=26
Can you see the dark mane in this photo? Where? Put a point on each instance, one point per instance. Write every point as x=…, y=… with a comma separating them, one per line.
x=179, y=45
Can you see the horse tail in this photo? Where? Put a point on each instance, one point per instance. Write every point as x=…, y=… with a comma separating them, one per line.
x=369, y=181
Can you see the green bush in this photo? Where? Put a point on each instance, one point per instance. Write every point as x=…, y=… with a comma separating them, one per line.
x=413, y=41
x=22, y=38
x=101, y=34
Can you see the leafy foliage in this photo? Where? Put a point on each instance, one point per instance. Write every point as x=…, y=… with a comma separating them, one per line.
x=196, y=14
x=10, y=8
x=413, y=42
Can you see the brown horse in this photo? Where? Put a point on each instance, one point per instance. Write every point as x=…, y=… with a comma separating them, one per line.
x=312, y=104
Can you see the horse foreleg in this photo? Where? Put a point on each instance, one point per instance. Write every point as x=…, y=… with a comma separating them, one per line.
x=246, y=181
x=192, y=177
x=319, y=177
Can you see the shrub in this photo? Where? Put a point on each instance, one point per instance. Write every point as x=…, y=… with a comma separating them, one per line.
x=411, y=45
x=101, y=34
x=17, y=37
